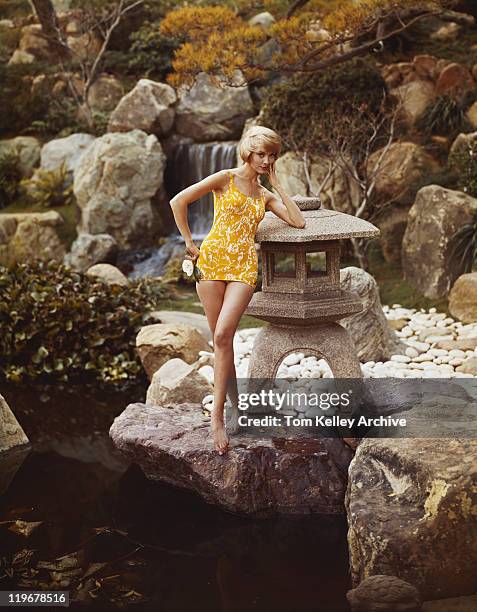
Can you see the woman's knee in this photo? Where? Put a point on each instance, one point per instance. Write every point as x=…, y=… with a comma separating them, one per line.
x=223, y=337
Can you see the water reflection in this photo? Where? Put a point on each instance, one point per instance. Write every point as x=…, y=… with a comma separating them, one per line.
x=129, y=540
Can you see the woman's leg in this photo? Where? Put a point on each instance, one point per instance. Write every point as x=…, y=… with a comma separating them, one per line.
x=236, y=299
x=211, y=295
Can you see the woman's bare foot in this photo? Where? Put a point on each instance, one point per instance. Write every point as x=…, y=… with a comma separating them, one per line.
x=221, y=439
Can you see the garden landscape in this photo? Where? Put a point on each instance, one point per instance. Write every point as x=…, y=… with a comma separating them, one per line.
x=110, y=486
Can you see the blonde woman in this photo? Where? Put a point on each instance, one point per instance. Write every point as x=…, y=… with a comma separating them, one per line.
x=227, y=260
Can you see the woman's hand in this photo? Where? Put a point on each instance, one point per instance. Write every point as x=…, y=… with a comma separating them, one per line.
x=272, y=177
x=192, y=251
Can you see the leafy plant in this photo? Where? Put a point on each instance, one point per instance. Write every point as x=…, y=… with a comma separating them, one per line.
x=464, y=247
x=305, y=108
x=10, y=177
x=151, y=52
x=446, y=115
x=60, y=325
x=463, y=161
x=50, y=188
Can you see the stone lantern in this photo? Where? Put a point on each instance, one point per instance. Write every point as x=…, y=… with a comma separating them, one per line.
x=304, y=303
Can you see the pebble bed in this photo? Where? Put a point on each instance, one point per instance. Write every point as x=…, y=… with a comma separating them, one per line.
x=419, y=330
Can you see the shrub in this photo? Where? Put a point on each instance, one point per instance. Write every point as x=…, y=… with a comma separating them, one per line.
x=50, y=188
x=18, y=107
x=10, y=177
x=151, y=52
x=463, y=161
x=305, y=108
x=60, y=325
x=445, y=115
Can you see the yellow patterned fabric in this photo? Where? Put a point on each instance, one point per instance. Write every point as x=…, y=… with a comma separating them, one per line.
x=228, y=251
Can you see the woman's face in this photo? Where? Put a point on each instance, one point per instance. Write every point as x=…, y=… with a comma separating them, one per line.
x=261, y=160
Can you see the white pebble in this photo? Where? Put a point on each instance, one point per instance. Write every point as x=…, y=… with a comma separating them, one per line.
x=411, y=351
x=457, y=353
x=400, y=358
x=293, y=359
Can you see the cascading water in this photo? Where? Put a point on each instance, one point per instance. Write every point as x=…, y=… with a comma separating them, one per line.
x=188, y=164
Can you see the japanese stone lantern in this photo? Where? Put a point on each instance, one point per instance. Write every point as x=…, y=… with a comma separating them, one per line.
x=304, y=303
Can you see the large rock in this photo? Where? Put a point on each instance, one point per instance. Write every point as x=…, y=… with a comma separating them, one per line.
x=105, y=93
x=433, y=219
x=412, y=513
x=339, y=191
x=108, y=273
x=89, y=249
x=259, y=476
x=369, y=329
x=30, y=236
x=28, y=150
x=194, y=319
x=114, y=182
x=67, y=151
x=207, y=112
x=177, y=382
x=463, y=298
x=455, y=80
x=403, y=165
x=415, y=97
x=11, y=434
x=148, y=107
x=160, y=342
x=392, y=222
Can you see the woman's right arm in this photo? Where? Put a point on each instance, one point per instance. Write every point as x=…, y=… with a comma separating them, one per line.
x=181, y=201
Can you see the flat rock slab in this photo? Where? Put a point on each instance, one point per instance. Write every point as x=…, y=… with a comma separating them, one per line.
x=258, y=476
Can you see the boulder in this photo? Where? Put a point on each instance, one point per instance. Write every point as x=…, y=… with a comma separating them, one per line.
x=384, y=593
x=404, y=164
x=160, y=342
x=463, y=298
x=258, y=476
x=425, y=66
x=197, y=320
x=207, y=112
x=21, y=57
x=392, y=222
x=105, y=93
x=148, y=107
x=339, y=191
x=108, y=274
x=12, y=435
x=28, y=149
x=415, y=97
x=177, y=382
x=89, y=249
x=433, y=219
x=471, y=115
x=412, y=513
x=67, y=151
x=462, y=144
x=265, y=20
x=369, y=329
x=114, y=182
x=454, y=80
x=30, y=236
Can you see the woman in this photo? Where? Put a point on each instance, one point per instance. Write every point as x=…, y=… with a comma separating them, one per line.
x=227, y=260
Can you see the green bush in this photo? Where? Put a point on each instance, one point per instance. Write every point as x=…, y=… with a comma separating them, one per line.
x=151, y=52
x=10, y=177
x=60, y=325
x=446, y=115
x=50, y=188
x=18, y=107
x=305, y=108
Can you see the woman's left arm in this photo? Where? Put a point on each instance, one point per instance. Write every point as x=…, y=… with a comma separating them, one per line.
x=286, y=209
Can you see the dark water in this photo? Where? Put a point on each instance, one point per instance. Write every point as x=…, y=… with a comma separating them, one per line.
x=131, y=542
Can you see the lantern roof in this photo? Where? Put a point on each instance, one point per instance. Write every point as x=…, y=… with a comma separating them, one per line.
x=320, y=225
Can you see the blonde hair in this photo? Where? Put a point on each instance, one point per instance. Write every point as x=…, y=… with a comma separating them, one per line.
x=256, y=136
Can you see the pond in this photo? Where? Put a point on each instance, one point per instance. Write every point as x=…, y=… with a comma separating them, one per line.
x=95, y=526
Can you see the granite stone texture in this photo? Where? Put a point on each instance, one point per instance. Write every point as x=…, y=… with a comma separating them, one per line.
x=258, y=476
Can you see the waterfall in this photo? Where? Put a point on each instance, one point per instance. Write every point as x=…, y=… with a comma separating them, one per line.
x=191, y=163
x=188, y=164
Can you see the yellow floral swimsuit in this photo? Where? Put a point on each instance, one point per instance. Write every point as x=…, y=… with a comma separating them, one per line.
x=228, y=251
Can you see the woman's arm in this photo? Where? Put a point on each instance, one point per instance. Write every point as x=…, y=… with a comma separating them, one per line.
x=181, y=201
x=286, y=209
